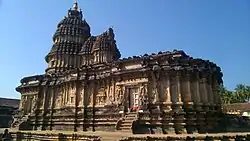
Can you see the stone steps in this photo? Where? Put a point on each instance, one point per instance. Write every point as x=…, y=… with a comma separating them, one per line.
x=127, y=122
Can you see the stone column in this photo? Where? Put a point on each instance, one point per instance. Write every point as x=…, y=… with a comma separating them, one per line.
x=85, y=104
x=177, y=104
x=215, y=87
x=185, y=90
x=216, y=99
x=203, y=90
x=187, y=102
x=94, y=94
x=210, y=91
x=52, y=105
x=150, y=95
x=211, y=118
x=167, y=119
x=167, y=91
x=21, y=102
x=155, y=93
x=204, y=100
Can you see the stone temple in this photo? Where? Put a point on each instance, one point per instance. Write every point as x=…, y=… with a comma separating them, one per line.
x=87, y=87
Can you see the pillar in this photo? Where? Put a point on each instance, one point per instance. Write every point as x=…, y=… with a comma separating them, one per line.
x=205, y=103
x=85, y=105
x=211, y=117
x=187, y=102
x=203, y=91
x=167, y=121
x=210, y=91
x=195, y=91
x=178, y=117
x=167, y=91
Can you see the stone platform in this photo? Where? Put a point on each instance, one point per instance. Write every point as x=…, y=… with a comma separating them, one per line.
x=124, y=136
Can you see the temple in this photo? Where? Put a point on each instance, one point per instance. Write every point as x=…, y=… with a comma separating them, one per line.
x=88, y=87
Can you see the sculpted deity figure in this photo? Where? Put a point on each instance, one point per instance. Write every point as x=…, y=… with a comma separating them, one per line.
x=119, y=95
x=59, y=97
x=34, y=103
x=143, y=95
x=156, y=85
x=73, y=90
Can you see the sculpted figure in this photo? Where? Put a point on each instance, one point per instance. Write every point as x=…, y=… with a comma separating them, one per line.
x=34, y=103
x=155, y=93
x=119, y=95
x=58, y=97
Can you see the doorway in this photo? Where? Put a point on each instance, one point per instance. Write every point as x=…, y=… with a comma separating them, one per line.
x=133, y=98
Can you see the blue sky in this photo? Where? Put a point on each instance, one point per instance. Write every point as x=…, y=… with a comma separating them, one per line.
x=216, y=30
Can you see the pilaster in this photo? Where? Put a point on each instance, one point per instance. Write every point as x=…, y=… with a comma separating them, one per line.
x=179, y=119
x=188, y=103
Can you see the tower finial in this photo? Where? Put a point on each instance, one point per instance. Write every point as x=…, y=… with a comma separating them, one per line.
x=75, y=5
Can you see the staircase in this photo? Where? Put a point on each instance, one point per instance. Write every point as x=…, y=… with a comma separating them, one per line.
x=127, y=121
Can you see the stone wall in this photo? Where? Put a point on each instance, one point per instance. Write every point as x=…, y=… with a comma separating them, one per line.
x=7, y=110
x=127, y=137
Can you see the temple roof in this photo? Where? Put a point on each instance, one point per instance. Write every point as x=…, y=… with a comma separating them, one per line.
x=71, y=33
x=102, y=42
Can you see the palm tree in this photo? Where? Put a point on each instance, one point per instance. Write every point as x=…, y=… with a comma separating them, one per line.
x=241, y=93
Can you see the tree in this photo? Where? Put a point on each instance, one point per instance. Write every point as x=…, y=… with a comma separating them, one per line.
x=241, y=94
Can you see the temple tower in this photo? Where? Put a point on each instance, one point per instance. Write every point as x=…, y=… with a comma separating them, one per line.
x=68, y=39
x=104, y=49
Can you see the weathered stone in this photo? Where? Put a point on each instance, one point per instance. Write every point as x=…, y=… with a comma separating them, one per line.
x=87, y=87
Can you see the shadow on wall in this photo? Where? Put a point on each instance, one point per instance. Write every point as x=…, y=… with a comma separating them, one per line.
x=25, y=125
x=139, y=128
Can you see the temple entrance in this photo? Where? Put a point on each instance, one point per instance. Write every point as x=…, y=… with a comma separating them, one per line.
x=132, y=99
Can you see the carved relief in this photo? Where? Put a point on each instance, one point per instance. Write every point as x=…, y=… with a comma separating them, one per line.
x=81, y=97
x=34, y=103
x=119, y=95
x=143, y=97
x=101, y=97
x=58, y=97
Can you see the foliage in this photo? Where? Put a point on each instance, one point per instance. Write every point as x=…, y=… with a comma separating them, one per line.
x=240, y=94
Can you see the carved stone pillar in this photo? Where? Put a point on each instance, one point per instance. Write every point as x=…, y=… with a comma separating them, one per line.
x=187, y=102
x=195, y=91
x=210, y=91
x=167, y=90
x=44, y=97
x=21, y=103
x=211, y=117
x=85, y=104
x=204, y=99
x=215, y=87
x=203, y=91
x=177, y=104
x=67, y=93
x=155, y=93
x=167, y=116
x=94, y=94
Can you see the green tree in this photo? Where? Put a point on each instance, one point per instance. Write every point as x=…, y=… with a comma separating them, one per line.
x=239, y=95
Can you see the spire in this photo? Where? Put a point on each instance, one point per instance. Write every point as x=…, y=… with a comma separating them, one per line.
x=75, y=5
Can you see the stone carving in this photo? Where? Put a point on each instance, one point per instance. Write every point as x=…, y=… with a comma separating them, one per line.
x=34, y=103
x=156, y=86
x=101, y=97
x=119, y=95
x=23, y=101
x=58, y=97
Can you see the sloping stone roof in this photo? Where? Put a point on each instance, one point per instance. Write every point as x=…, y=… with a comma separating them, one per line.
x=6, y=102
